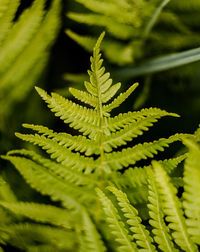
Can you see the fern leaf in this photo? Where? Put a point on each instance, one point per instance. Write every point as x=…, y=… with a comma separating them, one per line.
x=40, y=213
x=160, y=230
x=116, y=225
x=118, y=160
x=92, y=238
x=25, y=234
x=138, y=176
x=60, y=153
x=140, y=234
x=191, y=193
x=78, y=117
x=122, y=120
x=69, y=175
x=42, y=180
x=77, y=143
x=120, y=99
x=129, y=132
x=84, y=97
x=172, y=209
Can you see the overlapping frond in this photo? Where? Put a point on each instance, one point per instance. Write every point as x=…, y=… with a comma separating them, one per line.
x=140, y=234
x=172, y=209
x=116, y=224
x=41, y=179
x=161, y=232
x=191, y=193
x=129, y=156
x=138, y=176
x=60, y=153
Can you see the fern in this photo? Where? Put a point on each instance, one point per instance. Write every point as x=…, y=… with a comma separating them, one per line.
x=165, y=212
x=24, y=46
x=81, y=163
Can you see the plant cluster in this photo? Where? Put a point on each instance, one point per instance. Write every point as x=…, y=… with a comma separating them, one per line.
x=83, y=168
x=98, y=179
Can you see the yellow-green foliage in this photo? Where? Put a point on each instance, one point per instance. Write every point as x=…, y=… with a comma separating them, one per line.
x=130, y=25
x=24, y=48
x=96, y=158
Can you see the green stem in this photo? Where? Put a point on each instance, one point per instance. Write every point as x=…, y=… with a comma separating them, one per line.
x=154, y=18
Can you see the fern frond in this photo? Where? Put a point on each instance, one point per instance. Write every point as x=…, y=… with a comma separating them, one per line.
x=140, y=234
x=92, y=238
x=122, y=120
x=172, y=209
x=129, y=132
x=84, y=119
x=60, y=153
x=77, y=143
x=116, y=224
x=42, y=180
x=191, y=193
x=40, y=212
x=118, y=160
x=160, y=230
x=138, y=176
x=67, y=174
x=24, y=235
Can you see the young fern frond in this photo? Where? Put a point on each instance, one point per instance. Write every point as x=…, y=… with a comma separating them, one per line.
x=191, y=195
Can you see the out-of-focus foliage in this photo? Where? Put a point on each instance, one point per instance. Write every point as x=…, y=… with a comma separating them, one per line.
x=130, y=25
x=25, y=42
